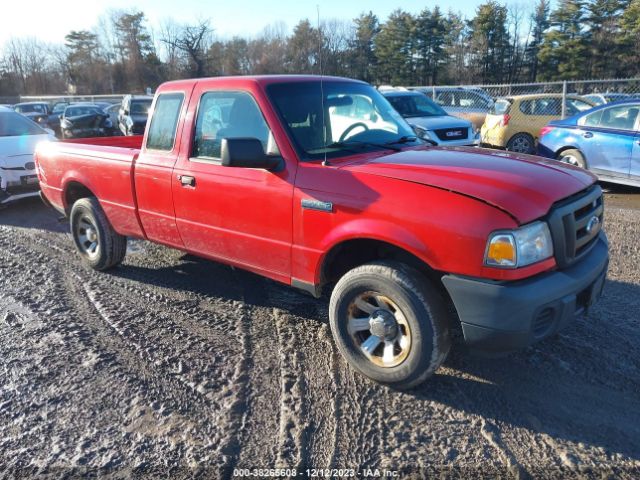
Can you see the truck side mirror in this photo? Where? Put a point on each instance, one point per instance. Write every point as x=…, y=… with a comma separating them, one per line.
x=248, y=153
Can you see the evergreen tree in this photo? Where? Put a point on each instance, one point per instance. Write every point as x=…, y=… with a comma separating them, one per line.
x=430, y=31
x=394, y=49
x=489, y=40
x=564, y=48
x=629, y=40
x=603, y=31
x=303, y=49
x=540, y=24
x=363, y=58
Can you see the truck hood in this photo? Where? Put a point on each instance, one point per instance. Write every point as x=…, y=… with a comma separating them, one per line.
x=522, y=185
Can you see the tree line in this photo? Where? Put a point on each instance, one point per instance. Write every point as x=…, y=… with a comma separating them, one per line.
x=578, y=39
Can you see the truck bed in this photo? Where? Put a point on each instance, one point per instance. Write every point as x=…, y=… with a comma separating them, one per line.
x=71, y=162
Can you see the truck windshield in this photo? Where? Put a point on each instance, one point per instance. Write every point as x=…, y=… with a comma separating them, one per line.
x=355, y=114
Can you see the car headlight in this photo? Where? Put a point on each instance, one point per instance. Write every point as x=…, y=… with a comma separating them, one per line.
x=421, y=132
x=519, y=248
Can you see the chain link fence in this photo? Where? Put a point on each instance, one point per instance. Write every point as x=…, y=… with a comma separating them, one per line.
x=511, y=115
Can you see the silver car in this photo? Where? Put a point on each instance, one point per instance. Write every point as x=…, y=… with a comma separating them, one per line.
x=430, y=121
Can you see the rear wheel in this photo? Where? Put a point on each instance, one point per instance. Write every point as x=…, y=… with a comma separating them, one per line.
x=389, y=323
x=573, y=157
x=96, y=240
x=521, y=143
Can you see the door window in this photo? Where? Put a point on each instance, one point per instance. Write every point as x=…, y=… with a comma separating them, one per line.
x=227, y=115
x=162, y=130
x=591, y=120
x=621, y=118
x=546, y=106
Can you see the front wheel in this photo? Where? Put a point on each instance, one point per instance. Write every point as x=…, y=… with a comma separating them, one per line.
x=96, y=240
x=389, y=323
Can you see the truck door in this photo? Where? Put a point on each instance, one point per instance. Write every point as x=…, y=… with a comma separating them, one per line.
x=153, y=170
x=239, y=215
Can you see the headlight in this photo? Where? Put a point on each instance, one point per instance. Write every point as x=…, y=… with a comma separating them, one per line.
x=519, y=248
x=422, y=133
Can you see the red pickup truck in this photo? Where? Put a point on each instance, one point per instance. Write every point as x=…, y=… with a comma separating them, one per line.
x=320, y=184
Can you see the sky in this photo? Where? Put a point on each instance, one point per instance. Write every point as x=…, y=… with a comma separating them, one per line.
x=51, y=20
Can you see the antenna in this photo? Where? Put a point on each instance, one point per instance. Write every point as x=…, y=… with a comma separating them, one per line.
x=325, y=162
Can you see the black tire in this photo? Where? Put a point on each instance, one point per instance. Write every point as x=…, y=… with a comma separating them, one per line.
x=573, y=157
x=90, y=225
x=522, y=143
x=424, y=313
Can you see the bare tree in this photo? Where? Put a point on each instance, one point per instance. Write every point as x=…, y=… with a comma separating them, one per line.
x=194, y=41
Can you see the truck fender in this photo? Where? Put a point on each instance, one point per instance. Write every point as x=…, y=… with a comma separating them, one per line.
x=373, y=229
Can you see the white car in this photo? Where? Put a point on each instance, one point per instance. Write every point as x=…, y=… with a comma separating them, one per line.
x=18, y=139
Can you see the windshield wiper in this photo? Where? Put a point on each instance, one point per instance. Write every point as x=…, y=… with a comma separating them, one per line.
x=356, y=143
x=403, y=139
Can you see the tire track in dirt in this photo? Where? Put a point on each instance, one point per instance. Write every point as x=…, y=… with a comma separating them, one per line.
x=256, y=445
x=124, y=322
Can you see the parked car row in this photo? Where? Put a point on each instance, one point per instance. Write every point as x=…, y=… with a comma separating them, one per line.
x=600, y=132
x=89, y=119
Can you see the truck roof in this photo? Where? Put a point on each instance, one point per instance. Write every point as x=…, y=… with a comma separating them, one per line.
x=263, y=80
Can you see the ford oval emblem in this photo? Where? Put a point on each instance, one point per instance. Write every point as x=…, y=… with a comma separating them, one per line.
x=593, y=225
x=29, y=166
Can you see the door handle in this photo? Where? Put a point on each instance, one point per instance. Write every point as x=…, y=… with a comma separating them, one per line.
x=587, y=134
x=187, y=180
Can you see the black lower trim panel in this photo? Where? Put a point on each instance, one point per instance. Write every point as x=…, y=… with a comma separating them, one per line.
x=503, y=316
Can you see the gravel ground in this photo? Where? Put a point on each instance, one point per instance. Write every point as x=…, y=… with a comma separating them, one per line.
x=173, y=366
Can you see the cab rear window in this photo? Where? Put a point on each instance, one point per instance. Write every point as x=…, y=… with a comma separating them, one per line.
x=500, y=107
x=162, y=131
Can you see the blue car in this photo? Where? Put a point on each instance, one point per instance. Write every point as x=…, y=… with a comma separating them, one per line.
x=604, y=140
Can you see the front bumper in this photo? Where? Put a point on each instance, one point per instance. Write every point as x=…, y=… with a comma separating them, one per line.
x=505, y=316
x=16, y=184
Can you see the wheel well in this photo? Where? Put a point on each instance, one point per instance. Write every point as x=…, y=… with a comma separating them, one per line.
x=353, y=253
x=74, y=192
x=564, y=149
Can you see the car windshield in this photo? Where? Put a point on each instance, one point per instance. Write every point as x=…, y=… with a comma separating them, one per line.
x=31, y=108
x=81, y=110
x=415, y=106
x=59, y=108
x=356, y=116
x=140, y=107
x=15, y=125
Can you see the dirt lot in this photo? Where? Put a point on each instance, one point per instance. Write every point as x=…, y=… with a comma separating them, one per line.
x=175, y=366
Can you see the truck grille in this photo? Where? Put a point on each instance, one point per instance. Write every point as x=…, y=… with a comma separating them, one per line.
x=575, y=223
x=450, y=134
